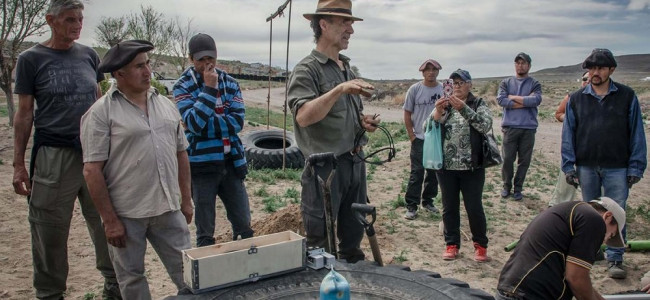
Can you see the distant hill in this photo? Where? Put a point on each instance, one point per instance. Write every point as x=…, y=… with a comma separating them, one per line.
x=633, y=66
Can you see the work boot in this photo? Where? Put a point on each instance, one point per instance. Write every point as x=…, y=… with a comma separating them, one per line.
x=431, y=208
x=450, y=252
x=480, y=253
x=505, y=193
x=111, y=291
x=615, y=270
x=411, y=214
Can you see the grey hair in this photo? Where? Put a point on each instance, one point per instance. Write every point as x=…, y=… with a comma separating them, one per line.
x=58, y=6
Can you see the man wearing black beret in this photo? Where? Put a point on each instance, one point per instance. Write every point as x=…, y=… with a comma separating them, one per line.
x=137, y=170
x=603, y=141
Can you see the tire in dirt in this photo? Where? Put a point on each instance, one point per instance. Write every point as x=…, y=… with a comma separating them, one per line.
x=367, y=281
x=264, y=149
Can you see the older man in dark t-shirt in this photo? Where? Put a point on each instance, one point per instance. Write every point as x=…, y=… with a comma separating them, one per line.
x=56, y=82
x=556, y=251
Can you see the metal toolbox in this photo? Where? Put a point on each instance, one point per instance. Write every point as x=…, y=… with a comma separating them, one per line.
x=222, y=265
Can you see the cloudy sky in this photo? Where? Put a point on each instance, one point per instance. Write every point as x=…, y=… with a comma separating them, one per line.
x=396, y=36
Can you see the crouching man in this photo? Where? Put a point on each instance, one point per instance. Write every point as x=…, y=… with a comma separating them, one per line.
x=137, y=170
x=555, y=253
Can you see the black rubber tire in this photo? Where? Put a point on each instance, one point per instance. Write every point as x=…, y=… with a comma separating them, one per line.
x=264, y=150
x=367, y=281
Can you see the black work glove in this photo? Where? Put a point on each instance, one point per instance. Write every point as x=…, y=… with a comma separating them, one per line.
x=631, y=180
x=572, y=179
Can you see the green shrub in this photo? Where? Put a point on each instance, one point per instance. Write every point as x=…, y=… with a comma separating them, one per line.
x=105, y=84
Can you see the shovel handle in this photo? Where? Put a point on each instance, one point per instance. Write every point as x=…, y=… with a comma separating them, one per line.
x=374, y=246
x=327, y=157
x=360, y=211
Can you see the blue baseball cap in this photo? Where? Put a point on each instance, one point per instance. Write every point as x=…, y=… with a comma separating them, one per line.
x=462, y=74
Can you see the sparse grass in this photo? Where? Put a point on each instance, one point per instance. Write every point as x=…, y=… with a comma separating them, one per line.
x=293, y=195
x=257, y=116
x=401, y=257
x=273, y=203
x=90, y=296
x=261, y=192
x=399, y=202
x=270, y=176
x=3, y=111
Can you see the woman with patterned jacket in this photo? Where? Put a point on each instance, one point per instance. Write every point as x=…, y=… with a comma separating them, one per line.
x=464, y=119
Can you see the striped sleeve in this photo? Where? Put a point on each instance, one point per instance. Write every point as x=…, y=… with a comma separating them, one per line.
x=579, y=262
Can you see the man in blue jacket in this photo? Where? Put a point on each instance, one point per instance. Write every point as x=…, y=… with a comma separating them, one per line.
x=519, y=95
x=603, y=141
x=212, y=108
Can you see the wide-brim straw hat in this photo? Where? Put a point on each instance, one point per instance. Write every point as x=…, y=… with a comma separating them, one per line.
x=342, y=8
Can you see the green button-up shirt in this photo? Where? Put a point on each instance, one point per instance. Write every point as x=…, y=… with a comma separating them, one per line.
x=312, y=77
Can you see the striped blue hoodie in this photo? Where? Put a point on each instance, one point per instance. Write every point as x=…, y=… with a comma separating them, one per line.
x=212, y=119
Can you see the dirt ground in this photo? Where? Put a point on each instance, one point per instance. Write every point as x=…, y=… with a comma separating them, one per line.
x=418, y=243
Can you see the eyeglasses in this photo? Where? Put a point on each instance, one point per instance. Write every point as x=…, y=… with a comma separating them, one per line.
x=460, y=83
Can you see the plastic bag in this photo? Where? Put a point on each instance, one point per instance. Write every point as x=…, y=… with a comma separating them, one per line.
x=432, y=150
x=334, y=287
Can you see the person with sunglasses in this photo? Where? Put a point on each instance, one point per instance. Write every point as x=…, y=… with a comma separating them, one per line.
x=564, y=191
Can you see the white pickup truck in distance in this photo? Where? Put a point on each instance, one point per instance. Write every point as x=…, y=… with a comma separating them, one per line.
x=167, y=82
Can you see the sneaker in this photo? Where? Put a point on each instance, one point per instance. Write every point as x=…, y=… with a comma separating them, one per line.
x=411, y=214
x=111, y=291
x=615, y=270
x=450, y=252
x=518, y=196
x=505, y=193
x=480, y=253
x=431, y=208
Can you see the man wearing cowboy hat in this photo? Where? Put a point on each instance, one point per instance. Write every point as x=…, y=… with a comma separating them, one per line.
x=603, y=141
x=137, y=170
x=328, y=114
x=557, y=250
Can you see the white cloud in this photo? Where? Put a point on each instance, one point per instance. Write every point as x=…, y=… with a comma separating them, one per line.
x=638, y=5
x=397, y=35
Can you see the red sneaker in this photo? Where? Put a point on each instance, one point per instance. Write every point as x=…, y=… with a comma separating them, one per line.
x=450, y=253
x=480, y=253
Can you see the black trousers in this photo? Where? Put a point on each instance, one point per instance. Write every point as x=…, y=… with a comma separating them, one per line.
x=348, y=186
x=517, y=144
x=470, y=184
x=415, y=190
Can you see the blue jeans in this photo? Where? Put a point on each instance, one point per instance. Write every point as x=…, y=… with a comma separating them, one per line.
x=614, y=185
x=221, y=181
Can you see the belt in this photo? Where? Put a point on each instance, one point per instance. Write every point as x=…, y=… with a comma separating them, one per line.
x=356, y=150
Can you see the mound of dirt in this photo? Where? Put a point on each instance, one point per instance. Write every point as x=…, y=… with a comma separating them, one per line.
x=287, y=218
